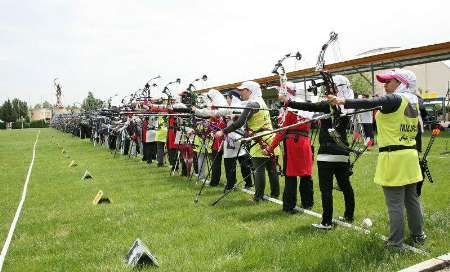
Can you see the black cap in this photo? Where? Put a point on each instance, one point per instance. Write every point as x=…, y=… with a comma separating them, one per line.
x=232, y=93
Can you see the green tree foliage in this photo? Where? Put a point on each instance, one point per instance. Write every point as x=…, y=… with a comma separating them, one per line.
x=37, y=106
x=360, y=84
x=47, y=105
x=7, y=112
x=21, y=109
x=73, y=108
x=15, y=110
x=91, y=103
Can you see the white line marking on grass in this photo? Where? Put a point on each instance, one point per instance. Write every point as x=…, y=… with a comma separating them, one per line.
x=338, y=222
x=19, y=208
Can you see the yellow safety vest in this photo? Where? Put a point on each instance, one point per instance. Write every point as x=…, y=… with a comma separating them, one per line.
x=400, y=167
x=161, y=132
x=199, y=141
x=259, y=122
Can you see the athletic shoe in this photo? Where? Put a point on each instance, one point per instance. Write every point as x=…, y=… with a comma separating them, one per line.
x=419, y=239
x=322, y=227
x=293, y=211
x=256, y=199
x=395, y=247
x=345, y=219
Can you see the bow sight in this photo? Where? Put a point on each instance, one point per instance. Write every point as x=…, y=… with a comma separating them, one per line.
x=188, y=97
x=314, y=86
x=166, y=89
x=279, y=64
x=146, y=90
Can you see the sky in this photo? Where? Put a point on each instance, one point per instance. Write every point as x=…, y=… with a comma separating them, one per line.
x=114, y=47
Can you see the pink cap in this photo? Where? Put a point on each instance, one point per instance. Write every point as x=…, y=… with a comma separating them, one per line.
x=398, y=74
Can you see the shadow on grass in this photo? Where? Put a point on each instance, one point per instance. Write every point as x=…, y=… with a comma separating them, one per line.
x=230, y=202
x=368, y=251
x=265, y=216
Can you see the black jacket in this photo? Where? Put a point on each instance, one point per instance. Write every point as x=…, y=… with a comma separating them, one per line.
x=327, y=144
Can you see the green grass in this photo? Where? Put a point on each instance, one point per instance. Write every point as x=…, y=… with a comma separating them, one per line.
x=61, y=230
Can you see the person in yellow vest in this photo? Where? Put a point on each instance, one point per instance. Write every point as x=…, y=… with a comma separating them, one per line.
x=397, y=170
x=257, y=121
x=160, y=139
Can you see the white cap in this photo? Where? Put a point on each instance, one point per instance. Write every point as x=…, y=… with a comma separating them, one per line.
x=250, y=85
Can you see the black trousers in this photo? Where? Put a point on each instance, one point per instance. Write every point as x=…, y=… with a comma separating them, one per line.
x=160, y=153
x=149, y=152
x=259, y=165
x=195, y=163
x=112, y=141
x=290, y=192
x=146, y=152
x=216, y=167
x=230, y=171
x=173, y=152
x=326, y=172
x=152, y=151
x=126, y=146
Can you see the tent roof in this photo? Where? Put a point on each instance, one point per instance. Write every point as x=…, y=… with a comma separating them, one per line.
x=387, y=60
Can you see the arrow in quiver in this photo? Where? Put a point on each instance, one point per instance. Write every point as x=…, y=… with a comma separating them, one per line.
x=139, y=255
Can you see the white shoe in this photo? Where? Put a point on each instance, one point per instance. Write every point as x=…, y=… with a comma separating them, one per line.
x=323, y=227
x=204, y=180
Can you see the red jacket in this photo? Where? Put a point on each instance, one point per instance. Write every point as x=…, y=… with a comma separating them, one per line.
x=171, y=134
x=144, y=130
x=298, y=157
x=217, y=122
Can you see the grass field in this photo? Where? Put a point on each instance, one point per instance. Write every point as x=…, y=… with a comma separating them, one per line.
x=61, y=230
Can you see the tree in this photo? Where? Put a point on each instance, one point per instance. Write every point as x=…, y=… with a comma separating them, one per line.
x=21, y=109
x=37, y=106
x=7, y=112
x=73, y=107
x=360, y=84
x=47, y=105
x=91, y=103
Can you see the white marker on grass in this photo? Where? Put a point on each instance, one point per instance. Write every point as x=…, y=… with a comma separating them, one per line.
x=19, y=208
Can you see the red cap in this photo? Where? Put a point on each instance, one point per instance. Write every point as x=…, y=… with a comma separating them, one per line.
x=398, y=74
x=385, y=78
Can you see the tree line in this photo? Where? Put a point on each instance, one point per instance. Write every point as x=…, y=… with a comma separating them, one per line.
x=14, y=110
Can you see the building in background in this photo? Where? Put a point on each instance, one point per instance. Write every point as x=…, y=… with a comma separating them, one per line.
x=41, y=114
x=432, y=78
x=433, y=85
